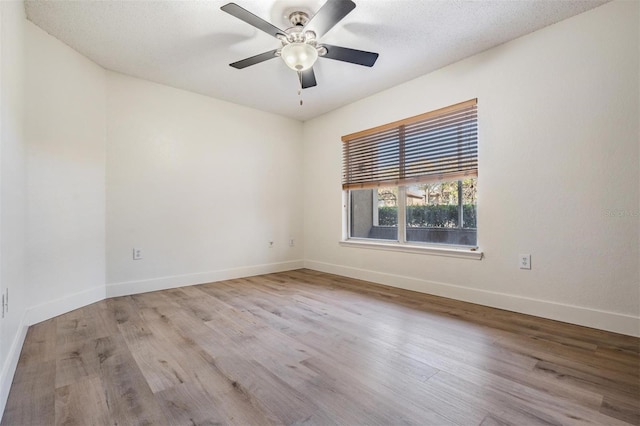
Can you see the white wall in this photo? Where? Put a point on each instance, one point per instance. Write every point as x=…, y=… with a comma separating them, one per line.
x=12, y=190
x=65, y=126
x=559, y=138
x=200, y=185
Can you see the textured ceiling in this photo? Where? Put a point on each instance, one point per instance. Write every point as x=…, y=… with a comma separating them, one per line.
x=189, y=44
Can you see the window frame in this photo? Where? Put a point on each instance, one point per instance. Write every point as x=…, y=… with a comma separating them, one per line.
x=401, y=243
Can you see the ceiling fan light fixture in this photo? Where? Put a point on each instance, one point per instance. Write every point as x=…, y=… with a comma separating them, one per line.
x=299, y=56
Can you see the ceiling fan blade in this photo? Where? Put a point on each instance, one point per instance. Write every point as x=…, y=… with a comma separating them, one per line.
x=254, y=59
x=307, y=78
x=251, y=19
x=329, y=14
x=358, y=57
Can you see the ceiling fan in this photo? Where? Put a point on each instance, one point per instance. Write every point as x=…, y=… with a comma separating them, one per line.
x=300, y=48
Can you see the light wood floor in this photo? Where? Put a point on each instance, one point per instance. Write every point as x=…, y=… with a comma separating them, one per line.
x=304, y=347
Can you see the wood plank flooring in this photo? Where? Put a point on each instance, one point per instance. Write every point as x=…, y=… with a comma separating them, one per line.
x=304, y=347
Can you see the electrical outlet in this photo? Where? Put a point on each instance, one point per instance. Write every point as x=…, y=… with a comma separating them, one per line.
x=137, y=253
x=270, y=244
x=524, y=261
x=5, y=302
x=292, y=242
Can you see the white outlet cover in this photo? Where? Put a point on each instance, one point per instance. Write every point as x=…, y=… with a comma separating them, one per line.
x=137, y=254
x=524, y=261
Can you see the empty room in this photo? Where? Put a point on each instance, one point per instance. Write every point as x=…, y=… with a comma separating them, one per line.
x=322, y=212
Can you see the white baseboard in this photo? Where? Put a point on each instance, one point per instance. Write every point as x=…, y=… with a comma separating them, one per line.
x=52, y=308
x=11, y=362
x=603, y=320
x=163, y=283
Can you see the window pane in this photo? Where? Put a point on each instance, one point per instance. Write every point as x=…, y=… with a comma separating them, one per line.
x=374, y=213
x=442, y=212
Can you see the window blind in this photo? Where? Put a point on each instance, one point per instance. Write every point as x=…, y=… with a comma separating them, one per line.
x=440, y=145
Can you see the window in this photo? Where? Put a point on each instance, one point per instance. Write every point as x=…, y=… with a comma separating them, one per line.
x=415, y=181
